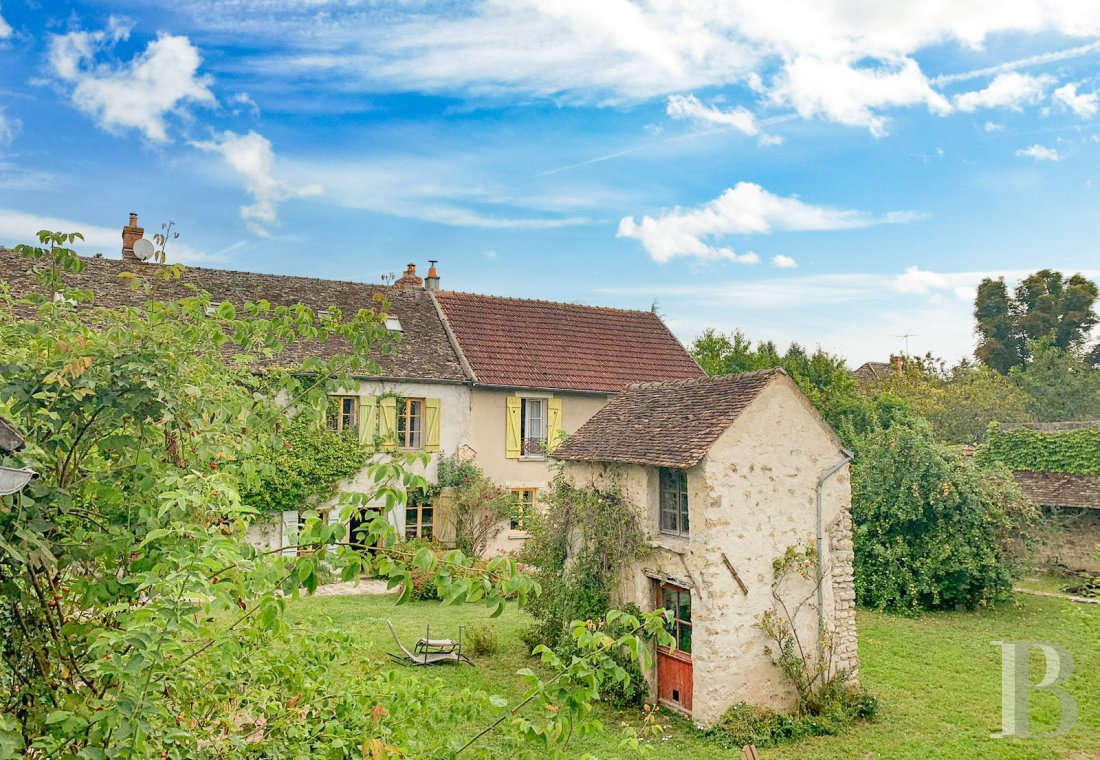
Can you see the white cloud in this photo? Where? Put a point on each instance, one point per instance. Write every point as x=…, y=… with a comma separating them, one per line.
x=491, y=255
x=1011, y=90
x=1084, y=105
x=1040, y=153
x=8, y=128
x=689, y=107
x=851, y=95
x=848, y=60
x=23, y=227
x=745, y=209
x=991, y=126
x=5, y=29
x=784, y=262
x=241, y=102
x=136, y=94
x=252, y=157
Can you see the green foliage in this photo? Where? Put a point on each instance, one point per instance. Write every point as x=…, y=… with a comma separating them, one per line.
x=479, y=507
x=138, y=621
x=1060, y=386
x=1073, y=451
x=932, y=529
x=481, y=638
x=304, y=466
x=823, y=377
x=751, y=724
x=1045, y=306
x=581, y=542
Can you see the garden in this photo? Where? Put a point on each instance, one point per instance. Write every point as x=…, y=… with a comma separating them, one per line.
x=937, y=676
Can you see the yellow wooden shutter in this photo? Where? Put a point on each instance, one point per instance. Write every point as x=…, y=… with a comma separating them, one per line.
x=512, y=428
x=431, y=425
x=553, y=423
x=387, y=423
x=368, y=419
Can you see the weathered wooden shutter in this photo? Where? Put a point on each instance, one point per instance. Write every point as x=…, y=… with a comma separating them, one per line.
x=553, y=423
x=368, y=418
x=387, y=422
x=431, y=425
x=512, y=446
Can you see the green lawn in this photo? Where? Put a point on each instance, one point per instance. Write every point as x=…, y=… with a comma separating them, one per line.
x=938, y=678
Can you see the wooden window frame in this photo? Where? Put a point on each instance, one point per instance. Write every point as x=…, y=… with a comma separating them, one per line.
x=677, y=625
x=418, y=504
x=672, y=500
x=404, y=433
x=541, y=441
x=516, y=524
x=337, y=421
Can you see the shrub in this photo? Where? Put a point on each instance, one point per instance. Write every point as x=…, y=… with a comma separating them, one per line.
x=481, y=638
x=750, y=724
x=480, y=506
x=933, y=530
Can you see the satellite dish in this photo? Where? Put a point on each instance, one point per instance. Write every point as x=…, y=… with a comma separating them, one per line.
x=144, y=249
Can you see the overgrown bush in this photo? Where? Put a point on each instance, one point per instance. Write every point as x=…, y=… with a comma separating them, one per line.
x=480, y=507
x=751, y=724
x=304, y=466
x=932, y=529
x=580, y=543
x=481, y=639
x=1073, y=451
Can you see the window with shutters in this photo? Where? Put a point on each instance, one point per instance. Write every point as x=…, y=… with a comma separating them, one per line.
x=419, y=515
x=673, y=502
x=526, y=498
x=343, y=414
x=533, y=427
x=410, y=423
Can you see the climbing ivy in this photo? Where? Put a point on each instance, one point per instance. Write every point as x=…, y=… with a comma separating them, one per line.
x=1075, y=451
x=304, y=466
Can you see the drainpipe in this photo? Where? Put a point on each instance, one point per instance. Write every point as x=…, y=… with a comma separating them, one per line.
x=847, y=457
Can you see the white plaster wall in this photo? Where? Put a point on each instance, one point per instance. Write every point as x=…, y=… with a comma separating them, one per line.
x=454, y=424
x=487, y=443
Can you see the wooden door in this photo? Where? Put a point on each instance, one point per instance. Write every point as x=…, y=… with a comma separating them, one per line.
x=674, y=671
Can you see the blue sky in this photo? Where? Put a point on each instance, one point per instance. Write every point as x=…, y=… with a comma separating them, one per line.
x=837, y=174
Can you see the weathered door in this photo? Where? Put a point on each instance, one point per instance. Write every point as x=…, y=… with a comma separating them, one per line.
x=674, y=676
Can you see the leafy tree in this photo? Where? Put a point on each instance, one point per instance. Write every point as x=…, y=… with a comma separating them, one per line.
x=823, y=377
x=932, y=529
x=138, y=622
x=1046, y=306
x=1059, y=385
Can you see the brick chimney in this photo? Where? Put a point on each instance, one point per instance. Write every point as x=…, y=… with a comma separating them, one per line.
x=432, y=281
x=131, y=233
x=409, y=279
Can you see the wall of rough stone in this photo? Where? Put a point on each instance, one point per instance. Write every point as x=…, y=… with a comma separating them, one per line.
x=751, y=497
x=1072, y=539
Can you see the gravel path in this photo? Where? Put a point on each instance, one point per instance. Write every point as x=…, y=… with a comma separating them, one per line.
x=354, y=588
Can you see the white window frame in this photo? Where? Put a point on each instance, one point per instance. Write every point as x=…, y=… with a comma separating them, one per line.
x=524, y=427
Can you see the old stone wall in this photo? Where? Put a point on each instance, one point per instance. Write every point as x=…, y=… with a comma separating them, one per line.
x=1072, y=539
x=842, y=571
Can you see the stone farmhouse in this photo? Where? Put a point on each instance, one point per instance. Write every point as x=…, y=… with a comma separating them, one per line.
x=499, y=380
x=727, y=473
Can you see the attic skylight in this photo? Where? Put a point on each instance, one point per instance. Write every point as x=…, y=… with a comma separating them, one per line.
x=393, y=324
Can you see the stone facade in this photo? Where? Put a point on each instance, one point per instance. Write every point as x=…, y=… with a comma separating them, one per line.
x=751, y=497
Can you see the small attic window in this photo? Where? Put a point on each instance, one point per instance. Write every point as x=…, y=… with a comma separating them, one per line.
x=393, y=324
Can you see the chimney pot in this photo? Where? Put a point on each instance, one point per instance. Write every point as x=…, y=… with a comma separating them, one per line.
x=131, y=233
x=409, y=279
x=432, y=280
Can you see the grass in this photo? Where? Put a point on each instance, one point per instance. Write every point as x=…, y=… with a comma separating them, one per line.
x=938, y=678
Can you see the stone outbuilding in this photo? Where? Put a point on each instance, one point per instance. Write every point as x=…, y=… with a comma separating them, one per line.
x=727, y=473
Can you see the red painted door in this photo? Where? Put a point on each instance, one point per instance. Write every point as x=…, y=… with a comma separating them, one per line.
x=674, y=677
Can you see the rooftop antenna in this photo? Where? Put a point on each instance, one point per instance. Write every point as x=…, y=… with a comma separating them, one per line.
x=906, y=338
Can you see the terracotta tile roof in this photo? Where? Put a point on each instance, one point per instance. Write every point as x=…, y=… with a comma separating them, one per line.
x=424, y=352
x=559, y=346
x=1059, y=489
x=665, y=424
